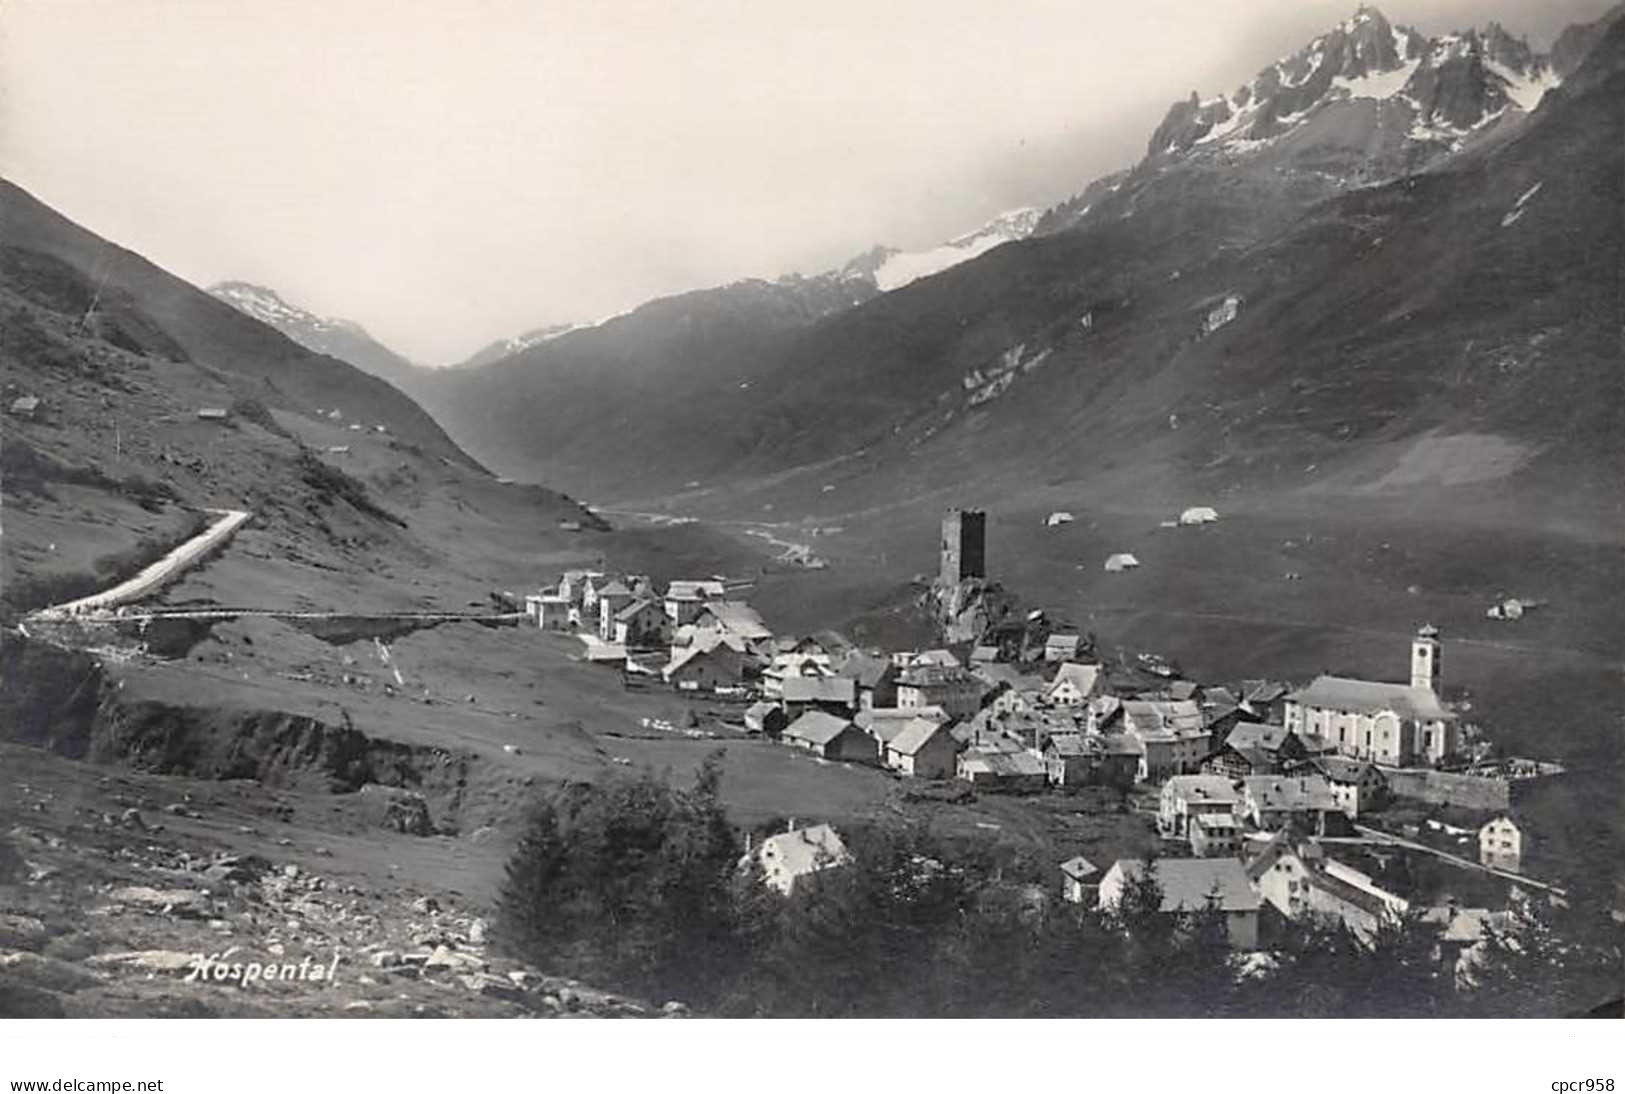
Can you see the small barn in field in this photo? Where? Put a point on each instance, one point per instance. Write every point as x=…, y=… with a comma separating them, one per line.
x=1120, y=562
x=1198, y=514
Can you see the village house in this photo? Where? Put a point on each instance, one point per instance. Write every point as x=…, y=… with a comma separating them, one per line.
x=642, y=624
x=611, y=599
x=1265, y=700
x=1215, y=835
x=1191, y=886
x=1500, y=845
x=1253, y=748
x=1169, y=732
x=1080, y=881
x=686, y=599
x=830, y=737
x=988, y=767
x=1073, y=760
x=737, y=618
x=875, y=678
x=985, y=655
x=1296, y=877
x=924, y=748
x=885, y=723
x=1397, y=725
x=766, y=718
x=718, y=661
x=793, y=665
x=572, y=584
x=1358, y=785
x=1073, y=686
x=950, y=687
x=831, y=694
x=1186, y=797
x=213, y=414
x=26, y=406
x=919, y=658
x=789, y=857
x=551, y=611
x=1304, y=801
x=1463, y=936
x=1061, y=647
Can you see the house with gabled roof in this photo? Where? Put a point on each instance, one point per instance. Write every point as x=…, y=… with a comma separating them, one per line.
x=1061, y=647
x=1185, y=797
x=707, y=664
x=1080, y=881
x=1296, y=877
x=1190, y=887
x=765, y=717
x=736, y=617
x=1074, y=685
x=1359, y=785
x=642, y=624
x=685, y=600
x=1304, y=801
x=611, y=599
x=875, y=678
x=924, y=748
x=950, y=687
x=830, y=737
x=789, y=857
x=831, y=694
x=1171, y=734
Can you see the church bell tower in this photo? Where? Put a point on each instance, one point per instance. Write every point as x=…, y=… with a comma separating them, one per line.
x=1425, y=659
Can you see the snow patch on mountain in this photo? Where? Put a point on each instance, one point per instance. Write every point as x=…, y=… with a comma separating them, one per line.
x=1378, y=85
x=901, y=267
x=1525, y=88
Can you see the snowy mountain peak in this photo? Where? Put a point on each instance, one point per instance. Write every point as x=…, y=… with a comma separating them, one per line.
x=892, y=269
x=1437, y=90
x=341, y=338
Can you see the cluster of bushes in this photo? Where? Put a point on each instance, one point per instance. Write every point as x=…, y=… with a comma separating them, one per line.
x=648, y=889
x=331, y=484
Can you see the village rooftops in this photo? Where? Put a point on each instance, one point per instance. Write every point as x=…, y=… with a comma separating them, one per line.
x=1191, y=884
x=816, y=727
x=914, y=736
x=1203, y=788
x=1464, y=924
x=1342, y=769
x=1079, y=868
x=1256, y=735
x=867, y=671
x=819, y=689
x=1083, y=677
x=934, y=675
x=885, y=723
x=1370, y=697
x=695, y=590
x=630, y=612
x=979, y=759
x=1291, y=793
x=1153, y=717
x=739, y=618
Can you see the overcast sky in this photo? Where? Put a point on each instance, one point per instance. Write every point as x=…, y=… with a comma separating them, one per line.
x=449, y=173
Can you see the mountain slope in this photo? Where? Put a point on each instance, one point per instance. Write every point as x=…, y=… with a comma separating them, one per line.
x=185, y=323
x=1106, y=290
x=341, y=338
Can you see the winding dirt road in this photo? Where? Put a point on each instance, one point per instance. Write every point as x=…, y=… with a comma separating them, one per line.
x=160, y=573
